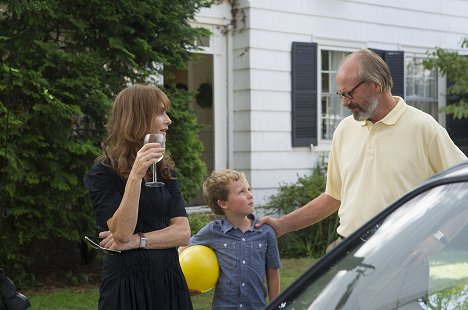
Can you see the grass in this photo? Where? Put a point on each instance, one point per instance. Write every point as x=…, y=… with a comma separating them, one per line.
x=86, y=298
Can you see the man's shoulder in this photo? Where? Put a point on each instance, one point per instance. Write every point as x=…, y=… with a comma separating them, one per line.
x=421, y=119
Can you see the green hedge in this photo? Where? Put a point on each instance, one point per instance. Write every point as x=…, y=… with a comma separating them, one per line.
x=313, y=240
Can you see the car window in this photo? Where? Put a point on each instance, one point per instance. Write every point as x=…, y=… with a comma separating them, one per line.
x=416, y=259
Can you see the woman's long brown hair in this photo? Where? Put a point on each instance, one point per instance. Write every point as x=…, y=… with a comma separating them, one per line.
x=131, y=117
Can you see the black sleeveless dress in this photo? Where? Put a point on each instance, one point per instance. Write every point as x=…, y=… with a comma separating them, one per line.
x=139, y=279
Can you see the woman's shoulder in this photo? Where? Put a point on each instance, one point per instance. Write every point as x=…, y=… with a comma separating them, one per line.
x=98, y=173
x=100, y=166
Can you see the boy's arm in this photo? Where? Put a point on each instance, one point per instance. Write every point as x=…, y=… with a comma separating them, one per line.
x=181, y=248
x=273, y=283
x=191, y=292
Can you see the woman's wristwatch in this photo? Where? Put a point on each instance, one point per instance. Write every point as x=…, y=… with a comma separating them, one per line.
x=143, y=240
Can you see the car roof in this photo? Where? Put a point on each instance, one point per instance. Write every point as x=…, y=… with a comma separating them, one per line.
x=458, y=170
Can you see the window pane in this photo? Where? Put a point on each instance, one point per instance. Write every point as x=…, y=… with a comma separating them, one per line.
x=409, y=87
x=325, y=61
x=421, y=86
x=332, y=111
x=325, y=82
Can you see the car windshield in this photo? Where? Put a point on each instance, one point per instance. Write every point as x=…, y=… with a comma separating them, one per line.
x=416, y=259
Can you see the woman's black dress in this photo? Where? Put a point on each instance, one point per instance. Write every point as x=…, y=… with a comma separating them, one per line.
x=139, y=279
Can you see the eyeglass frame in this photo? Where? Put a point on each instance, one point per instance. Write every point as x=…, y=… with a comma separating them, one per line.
x=349, y=94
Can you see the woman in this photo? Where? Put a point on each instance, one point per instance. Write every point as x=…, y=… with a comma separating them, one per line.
x=146, y=223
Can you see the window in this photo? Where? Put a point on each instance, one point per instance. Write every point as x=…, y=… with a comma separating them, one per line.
x=331, y=109
x=421, y=86
x=304, y=69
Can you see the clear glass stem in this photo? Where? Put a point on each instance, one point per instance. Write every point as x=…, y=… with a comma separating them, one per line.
x=155, y=173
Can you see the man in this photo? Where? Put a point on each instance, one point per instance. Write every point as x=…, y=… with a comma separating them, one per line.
x=378, y=154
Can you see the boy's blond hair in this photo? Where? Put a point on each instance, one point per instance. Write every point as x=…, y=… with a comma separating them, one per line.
x=216, y=188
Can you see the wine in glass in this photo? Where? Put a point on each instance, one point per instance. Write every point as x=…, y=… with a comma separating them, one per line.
x=155, y=138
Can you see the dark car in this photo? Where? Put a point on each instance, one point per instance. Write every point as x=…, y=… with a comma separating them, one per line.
x=413, y=255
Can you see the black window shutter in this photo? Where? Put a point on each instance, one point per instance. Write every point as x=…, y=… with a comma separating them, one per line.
x=381, y=53
x=304, y=93
x=395, y=61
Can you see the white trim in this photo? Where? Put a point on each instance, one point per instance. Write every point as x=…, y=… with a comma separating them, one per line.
x=229, y=97
x=442, y=89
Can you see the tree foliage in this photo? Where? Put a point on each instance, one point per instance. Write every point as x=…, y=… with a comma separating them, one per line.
x=62, y=64
x=455, y=67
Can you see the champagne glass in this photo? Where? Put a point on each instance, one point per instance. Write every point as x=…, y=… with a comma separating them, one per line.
x=155, y=138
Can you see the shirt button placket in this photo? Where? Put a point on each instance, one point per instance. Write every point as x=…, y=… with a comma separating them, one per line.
x=243, y=271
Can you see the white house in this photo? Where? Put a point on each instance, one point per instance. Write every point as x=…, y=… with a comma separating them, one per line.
x=271, y=65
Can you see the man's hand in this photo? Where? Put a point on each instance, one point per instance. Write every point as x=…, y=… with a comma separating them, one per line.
x=273, y=222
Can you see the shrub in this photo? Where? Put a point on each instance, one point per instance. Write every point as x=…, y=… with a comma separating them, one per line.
x=312, y=240
x=198, y=220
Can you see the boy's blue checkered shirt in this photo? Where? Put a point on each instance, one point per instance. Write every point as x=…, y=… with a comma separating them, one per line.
x=243, y=259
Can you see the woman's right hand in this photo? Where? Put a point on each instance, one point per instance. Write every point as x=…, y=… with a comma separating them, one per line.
x=146, y=156
x=108, y=241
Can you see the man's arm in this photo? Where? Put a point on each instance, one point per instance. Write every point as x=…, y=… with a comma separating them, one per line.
x=273, y=283
x=311, y=213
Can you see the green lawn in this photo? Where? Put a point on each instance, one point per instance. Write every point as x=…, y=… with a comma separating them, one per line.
x=74, y=299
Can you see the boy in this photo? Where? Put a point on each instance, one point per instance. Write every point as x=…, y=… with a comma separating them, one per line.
x=246, y=254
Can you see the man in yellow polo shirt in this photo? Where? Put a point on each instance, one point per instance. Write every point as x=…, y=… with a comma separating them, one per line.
x=378, y=154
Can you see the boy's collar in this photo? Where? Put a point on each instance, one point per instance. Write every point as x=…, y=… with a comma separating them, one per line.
x=227, y=226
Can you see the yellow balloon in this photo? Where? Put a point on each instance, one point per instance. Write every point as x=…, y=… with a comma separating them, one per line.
x=200, y=267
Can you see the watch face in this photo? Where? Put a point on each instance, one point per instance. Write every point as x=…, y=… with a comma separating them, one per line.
x=143, y=242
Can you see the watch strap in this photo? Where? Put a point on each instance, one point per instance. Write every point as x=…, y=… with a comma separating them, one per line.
x=143, y=240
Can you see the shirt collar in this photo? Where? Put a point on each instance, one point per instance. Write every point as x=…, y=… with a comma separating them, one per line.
x=394, y=115
x=227, y=226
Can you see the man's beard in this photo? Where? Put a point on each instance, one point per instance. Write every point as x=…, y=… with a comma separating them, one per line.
x=363, y=113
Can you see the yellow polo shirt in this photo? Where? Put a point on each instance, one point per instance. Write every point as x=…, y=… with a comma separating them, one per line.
x=371, y=165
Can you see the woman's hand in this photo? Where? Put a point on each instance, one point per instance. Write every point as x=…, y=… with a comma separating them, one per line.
x=109, y=242
x=146, y=156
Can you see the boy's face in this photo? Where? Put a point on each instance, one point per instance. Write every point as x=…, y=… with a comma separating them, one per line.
x=240, y=199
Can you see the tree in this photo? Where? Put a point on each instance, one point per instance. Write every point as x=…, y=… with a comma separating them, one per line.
x=455, y=67
x=62, y=64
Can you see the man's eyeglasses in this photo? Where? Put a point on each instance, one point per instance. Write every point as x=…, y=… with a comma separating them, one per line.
x=348, y=94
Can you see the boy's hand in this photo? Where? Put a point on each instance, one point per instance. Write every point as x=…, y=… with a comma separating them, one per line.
x=194, y=292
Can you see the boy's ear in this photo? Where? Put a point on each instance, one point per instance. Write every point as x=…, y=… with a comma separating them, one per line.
x=222, y=204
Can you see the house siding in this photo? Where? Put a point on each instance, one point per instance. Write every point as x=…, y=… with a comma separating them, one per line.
x=261, y=75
